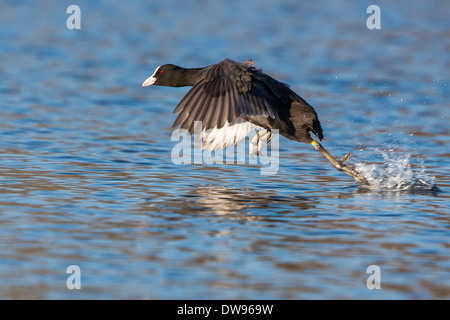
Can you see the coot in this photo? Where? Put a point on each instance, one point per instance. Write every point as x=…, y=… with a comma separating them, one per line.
x=231, y=99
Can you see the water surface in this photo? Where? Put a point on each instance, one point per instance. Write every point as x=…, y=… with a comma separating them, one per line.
x=87, y=178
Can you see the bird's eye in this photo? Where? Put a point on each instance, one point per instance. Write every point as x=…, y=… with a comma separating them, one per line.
x=161, y=72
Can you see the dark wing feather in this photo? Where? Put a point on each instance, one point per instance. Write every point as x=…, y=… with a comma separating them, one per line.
x=187, y=106
x=229, y=90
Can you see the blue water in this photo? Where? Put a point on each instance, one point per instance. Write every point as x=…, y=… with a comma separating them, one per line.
x=87, y=179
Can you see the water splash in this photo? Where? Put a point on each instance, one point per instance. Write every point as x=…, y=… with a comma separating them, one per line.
x=396, y=173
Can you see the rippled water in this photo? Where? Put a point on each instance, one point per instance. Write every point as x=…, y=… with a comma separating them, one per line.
x=87, y=178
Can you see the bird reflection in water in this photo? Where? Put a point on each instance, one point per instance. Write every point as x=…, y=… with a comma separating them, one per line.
x=244, y=203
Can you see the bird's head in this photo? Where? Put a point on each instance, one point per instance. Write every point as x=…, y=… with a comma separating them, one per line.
x=166, y=75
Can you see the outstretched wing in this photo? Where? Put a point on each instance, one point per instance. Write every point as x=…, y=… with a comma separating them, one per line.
x=230, y=93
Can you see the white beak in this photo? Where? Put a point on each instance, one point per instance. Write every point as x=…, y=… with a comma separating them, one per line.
x=149, y=81
x=152, y=79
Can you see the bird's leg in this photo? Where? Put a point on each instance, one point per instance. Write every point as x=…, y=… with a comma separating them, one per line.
x=256, y=144
x=346, y=168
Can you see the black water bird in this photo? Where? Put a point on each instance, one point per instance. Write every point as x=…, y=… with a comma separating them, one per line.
x=231, y=99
